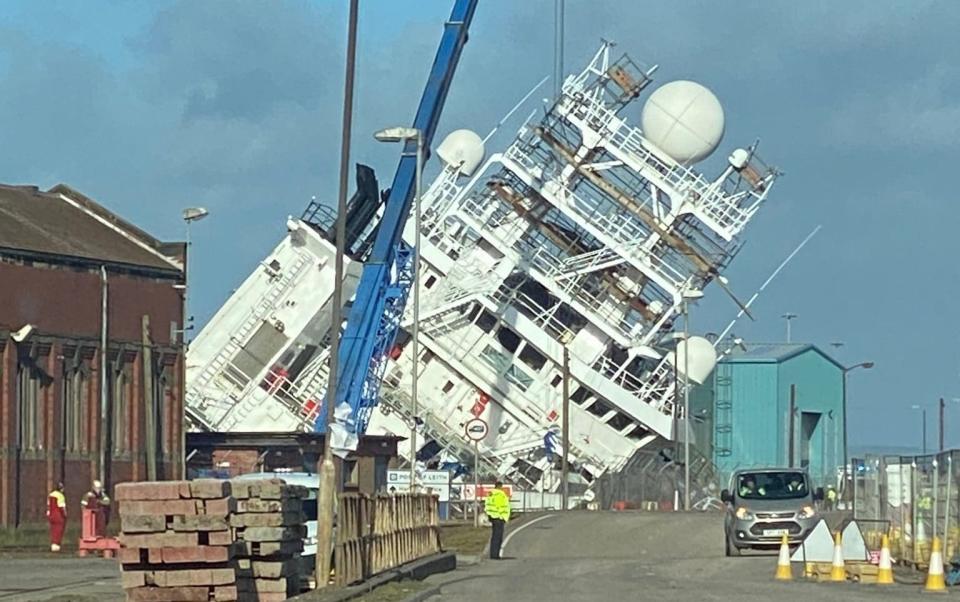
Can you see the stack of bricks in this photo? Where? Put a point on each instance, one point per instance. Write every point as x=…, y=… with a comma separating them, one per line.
x=176, y=541
x=269, y=528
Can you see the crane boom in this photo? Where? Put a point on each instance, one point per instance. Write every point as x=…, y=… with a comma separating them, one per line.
x=388, y=270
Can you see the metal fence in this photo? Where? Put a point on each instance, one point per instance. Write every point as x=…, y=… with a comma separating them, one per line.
x=916, y=498
x=654, y=480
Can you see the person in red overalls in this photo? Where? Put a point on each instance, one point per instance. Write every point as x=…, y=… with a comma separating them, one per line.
x=56, y=516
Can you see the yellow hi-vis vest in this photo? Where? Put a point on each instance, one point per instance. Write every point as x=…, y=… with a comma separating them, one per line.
x=497, y=505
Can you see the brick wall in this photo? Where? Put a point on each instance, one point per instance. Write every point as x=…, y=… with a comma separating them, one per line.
x=63, y=303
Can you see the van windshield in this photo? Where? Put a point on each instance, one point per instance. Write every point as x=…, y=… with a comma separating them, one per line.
x=785, y=485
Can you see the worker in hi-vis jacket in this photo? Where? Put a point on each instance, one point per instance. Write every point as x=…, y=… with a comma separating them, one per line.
x=497, y=507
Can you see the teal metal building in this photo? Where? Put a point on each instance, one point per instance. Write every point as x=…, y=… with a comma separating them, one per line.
x=742, y=413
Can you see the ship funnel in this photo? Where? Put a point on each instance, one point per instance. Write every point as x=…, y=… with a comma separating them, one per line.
x=702, y=358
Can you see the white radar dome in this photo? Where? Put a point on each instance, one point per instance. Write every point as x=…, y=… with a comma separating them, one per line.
x=684, y=120
x=702, y=358
x=462, y=148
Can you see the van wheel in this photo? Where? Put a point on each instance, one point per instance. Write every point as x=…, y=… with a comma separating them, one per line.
x=730, y=549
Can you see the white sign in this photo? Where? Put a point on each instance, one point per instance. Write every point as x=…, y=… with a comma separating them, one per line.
x=428, y=481
x=477, y=429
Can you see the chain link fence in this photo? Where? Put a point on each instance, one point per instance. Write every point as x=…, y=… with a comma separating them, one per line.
x=654, y=480
x=916, y=498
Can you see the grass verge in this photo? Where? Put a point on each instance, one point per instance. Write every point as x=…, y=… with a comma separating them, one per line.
x=464, y=538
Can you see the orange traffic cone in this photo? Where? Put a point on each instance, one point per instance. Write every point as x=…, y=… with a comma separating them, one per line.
x=935, y=581
x=784, y=571
x=885, y=570
x=838, y=572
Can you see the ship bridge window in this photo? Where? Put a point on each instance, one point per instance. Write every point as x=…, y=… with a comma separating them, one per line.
x=532, y=357
x=487, y=321
x=516, y=376
x=508, y=338
x=620, y=421
x=599, y=408
x=580, y=396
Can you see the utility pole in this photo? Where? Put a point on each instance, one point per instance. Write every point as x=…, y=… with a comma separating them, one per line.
x=942, y=407
x=328, y=484
x=565, y=466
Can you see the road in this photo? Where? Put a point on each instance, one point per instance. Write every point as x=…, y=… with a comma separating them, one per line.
x=59, y=579
x=632, y=556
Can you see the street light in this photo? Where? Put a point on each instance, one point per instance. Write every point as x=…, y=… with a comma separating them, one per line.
x=846, y=458
x=789, y=317
x=189, y=215
x=407, y=134
x=687, y=296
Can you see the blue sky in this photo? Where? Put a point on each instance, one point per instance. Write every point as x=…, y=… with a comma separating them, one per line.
x=153, y=106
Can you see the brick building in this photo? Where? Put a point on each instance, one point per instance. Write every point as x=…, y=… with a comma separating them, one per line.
x=71, y=408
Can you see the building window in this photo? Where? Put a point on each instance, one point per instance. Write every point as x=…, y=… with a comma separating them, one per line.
x=75, y=400
x=119, y=400
x=430, y=282
x=30, y=403
x=556, y=381
x=448, y=387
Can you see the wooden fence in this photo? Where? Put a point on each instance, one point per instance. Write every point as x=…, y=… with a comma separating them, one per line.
x=375, y=534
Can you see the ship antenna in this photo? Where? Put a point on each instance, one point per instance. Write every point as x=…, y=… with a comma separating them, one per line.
x=782, y=265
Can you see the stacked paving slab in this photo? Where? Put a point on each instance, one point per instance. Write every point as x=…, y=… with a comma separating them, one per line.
x=269, y=528
x=176, y=543
x=210, y=540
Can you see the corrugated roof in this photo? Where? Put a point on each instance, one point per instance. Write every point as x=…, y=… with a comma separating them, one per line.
x=773, y=353
x=43, y=222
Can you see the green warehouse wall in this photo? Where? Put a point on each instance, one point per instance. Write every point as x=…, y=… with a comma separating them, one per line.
x=819, y=404
x=742, y=411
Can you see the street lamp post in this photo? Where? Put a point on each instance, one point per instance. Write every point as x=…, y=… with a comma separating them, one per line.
x=407, y=134
x=190, y=215
x=688, y=295
x=846, y=458
x=789, y=317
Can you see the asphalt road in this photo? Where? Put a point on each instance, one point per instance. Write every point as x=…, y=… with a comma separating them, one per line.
x=636, y=556
x=59, y=579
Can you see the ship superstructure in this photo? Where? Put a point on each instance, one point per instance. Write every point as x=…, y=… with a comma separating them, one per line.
x=586, y=234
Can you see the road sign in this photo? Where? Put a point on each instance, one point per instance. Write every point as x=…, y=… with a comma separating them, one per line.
x=428, y=481
x=477, y=429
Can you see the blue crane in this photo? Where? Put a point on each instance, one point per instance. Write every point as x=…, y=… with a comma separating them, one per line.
x=388, y=270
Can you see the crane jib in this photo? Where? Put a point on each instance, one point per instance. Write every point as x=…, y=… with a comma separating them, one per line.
x=373, y=319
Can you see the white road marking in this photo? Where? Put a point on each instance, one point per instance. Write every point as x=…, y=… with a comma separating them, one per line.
x=521, y=528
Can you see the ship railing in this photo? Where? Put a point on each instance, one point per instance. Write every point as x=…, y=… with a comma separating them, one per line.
x=628, y=235
x=725, y=210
